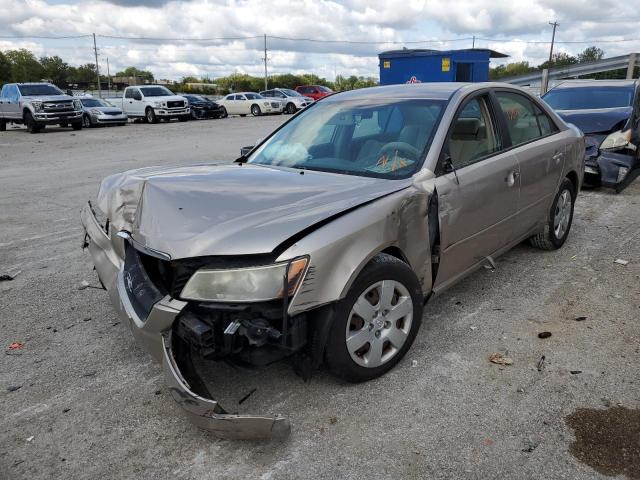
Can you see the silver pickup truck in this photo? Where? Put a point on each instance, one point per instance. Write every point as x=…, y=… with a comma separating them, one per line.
x=37, y=105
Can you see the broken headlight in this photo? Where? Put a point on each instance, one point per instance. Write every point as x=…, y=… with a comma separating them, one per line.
x=618, y=140
x=253, y=284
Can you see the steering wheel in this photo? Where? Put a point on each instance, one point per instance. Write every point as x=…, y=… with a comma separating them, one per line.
x=406, y=150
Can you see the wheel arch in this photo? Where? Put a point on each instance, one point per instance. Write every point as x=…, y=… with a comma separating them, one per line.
x=573, y=178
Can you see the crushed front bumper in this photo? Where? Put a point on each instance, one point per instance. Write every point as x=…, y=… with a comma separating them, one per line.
x=154, y=332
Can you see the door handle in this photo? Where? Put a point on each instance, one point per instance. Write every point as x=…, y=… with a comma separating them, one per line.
x=557, y=156
x=511, y=178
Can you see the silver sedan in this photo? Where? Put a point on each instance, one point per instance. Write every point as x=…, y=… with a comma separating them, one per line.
x=99, y=112
x=324, y=242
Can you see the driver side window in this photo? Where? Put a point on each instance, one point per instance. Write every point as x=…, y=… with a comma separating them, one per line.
x=473, y=134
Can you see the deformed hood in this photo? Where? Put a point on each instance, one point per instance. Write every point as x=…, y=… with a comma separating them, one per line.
x=596, y=121
x=229, y=209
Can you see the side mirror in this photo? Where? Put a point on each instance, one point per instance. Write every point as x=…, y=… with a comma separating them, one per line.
x=245, y=150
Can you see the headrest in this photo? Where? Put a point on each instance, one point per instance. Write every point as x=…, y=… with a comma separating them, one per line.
x=466, y=128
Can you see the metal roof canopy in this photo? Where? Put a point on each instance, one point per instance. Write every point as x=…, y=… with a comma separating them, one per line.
x=577, y=69
x=424, y=52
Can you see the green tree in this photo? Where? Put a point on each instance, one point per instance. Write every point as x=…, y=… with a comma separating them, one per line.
x=55, y=70
x=509, y=70
x=560, y=59
x=24, y=66
x=591, y=54
x=5, y=69
x=83, y=74
x=142, y=75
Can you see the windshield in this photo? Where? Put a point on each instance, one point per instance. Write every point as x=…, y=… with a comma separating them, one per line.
x=194, y=98
x=33, y=90
x=155, y=91
x=375, y=139
x=587, y=98
x=253, y=96
x=93, y=102
x=290, y=93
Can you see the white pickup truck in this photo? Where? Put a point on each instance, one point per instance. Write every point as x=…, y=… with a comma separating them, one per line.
x=153, y=103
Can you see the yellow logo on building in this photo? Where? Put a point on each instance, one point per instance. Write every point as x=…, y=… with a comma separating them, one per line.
x=387, y=64
x=446, y=64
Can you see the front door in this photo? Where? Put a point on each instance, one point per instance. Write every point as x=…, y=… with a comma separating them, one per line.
x=11, y=107
x=477, y=194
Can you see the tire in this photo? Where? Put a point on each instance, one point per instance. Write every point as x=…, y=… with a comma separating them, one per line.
x=290, y=108
x=150, y=116
x=243, y=114
x=184, y=118
x=31, y=124
x=121, y=124
x=86, y=121
x=77, y=126
x=224, y=113
x=255, y=110
x=3, y=126
x=556, y=231
x=194, y=115
x=377, y=333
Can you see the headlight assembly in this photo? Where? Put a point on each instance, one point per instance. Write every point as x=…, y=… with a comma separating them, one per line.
x=618, y=140
x=77, y=104
x=37, y=106
x=95, y=111
x=253, y=284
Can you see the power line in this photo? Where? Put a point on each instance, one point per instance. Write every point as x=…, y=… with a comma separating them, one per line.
x=44, y=37
x=177, y=39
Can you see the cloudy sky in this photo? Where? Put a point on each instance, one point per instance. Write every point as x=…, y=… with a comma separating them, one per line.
x=212, y=37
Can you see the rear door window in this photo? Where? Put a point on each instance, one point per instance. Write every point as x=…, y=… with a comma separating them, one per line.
x=520, y=116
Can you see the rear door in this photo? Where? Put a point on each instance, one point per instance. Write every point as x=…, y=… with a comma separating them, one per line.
x=478, y=202
x=536, y=141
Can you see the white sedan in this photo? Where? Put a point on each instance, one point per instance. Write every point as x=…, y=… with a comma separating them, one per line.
x=245, y=103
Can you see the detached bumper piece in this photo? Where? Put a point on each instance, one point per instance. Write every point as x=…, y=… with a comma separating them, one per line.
x=207, y=414
x=617, y=170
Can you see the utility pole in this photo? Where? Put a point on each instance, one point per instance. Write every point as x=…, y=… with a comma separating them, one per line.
x=108, y=77
x=95, y=51
x=473, y=45
x=265, y=62
x=553, y=39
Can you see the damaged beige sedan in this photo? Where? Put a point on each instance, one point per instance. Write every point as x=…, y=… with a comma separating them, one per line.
x=323, y=243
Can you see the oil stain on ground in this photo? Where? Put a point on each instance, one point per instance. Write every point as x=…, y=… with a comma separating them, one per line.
x=607, y=440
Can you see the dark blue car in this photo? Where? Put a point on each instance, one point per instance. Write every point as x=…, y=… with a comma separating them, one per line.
x=608, y=113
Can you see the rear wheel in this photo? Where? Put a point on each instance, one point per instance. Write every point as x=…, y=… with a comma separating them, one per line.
x=556, y=231
x=376, y=322
x=150, y=116
x=255, y=110
x=291, y=108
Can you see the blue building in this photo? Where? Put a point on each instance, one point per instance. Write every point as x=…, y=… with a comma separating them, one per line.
x=422, y=65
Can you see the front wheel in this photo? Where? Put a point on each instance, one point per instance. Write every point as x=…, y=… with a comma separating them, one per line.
x=224, y=113
x=556, y=231
x=376, y=322
x=150, y=116
x=291, y=108
x=255, y=110
x=86, y=121
x=32, y=126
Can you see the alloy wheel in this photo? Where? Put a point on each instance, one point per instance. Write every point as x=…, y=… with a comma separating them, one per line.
x=563, y=214
x=379, y=323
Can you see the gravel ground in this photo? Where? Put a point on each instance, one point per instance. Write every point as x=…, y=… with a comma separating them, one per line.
x=92, y=404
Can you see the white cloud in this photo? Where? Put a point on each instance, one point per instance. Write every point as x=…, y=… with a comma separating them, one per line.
x=516, y=21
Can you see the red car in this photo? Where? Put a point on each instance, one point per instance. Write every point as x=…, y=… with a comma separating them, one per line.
x=314, y=91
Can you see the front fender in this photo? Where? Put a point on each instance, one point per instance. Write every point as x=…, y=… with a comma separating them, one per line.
x=340, y=250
